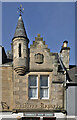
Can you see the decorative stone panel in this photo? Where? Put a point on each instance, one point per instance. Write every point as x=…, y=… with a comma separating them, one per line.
x=39, y=58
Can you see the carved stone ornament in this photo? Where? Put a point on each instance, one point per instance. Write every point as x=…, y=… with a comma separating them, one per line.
x=39, y=58
x=4, y=105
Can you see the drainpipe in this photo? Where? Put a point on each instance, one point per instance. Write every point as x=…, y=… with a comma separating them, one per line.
x=65, y=94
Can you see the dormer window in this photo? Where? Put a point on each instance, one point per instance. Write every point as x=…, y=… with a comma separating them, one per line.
x=39, y=58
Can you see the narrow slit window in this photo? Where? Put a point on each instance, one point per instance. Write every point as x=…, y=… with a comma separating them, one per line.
x=19, y=50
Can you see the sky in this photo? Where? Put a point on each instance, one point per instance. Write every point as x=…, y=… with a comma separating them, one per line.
x=54, y=21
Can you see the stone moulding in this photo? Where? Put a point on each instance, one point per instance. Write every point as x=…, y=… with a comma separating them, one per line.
x=20, y=70
x=28, y=110
x=65, y=48
x=41, y=70
x=20, y=38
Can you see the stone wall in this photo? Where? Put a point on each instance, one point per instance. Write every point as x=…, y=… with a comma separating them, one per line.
x=39, y=47
x=65, y=57
x=42, y=62
x=7, y=88
x=21, y=98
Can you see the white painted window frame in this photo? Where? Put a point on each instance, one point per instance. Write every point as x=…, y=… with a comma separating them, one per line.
x=45, y=87
x=33, y=87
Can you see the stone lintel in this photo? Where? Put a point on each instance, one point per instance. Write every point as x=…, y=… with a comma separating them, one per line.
x=65, y=48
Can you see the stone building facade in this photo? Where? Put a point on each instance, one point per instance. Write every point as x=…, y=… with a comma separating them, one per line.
x=34, y=79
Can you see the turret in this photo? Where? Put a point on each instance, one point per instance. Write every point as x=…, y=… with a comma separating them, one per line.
x=20, y=48
x=65, y=54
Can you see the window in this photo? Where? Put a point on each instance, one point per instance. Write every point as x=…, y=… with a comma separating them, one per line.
x=19, y=49
x=33, y=87
x=44, y=87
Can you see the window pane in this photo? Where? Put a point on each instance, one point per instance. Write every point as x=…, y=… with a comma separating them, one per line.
x=44, y=93
x=33, y=86
x=43, y=80
x=32, y=80
x=33, y=92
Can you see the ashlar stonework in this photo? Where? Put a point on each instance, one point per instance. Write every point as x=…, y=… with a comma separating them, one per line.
x=39, y=63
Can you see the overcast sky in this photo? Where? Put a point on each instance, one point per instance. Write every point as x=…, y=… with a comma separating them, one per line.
x=55, y=21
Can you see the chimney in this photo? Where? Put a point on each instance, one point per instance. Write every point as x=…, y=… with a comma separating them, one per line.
x=65, y=54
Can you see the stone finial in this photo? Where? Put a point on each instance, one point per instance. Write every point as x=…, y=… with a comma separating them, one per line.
x=65, y=46
x=38, y=35
x=38, y=38
x=65, y=43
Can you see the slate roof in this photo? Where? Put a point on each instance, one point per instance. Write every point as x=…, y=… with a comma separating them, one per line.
x=20, y=29
x=73, y=73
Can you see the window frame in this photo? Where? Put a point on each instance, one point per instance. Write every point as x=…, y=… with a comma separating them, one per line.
x=44, y=87
x=33, y=87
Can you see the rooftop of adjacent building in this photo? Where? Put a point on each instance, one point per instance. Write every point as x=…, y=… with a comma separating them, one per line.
x=73, y=73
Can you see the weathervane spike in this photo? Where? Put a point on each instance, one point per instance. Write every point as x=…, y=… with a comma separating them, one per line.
x=20, y=10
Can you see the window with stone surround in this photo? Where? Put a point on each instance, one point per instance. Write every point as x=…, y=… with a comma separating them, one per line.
x=33, y=87
x=43, y=89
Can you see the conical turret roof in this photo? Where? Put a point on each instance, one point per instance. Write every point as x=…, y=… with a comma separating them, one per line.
x=20, y=29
